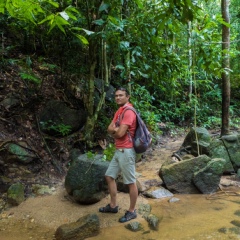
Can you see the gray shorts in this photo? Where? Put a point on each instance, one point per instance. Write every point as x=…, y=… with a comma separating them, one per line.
x=123, y=161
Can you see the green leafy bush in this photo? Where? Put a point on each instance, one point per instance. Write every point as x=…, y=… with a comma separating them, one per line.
x=109, y=152
x=61, y=128
x=30, y=77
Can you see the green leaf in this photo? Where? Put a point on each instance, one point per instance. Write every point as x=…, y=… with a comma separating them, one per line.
x=103, y=7
x=72, y=9
x=99, y=22
x=120, y=67
x=76, y=28
x=48, y=18
x=71, y=15
x=52, y=25
x=2, y=6
x=113, y=20
x=55, y=4
x=60, y=27
x=31, y=78
x=82, y=38
x=124, y=45
x=64, y=15
x=143, y=74
x=139, y=3
x=87, y=31
x=61, y=21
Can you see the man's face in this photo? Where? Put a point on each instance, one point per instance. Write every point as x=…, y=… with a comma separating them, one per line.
x=121, y=97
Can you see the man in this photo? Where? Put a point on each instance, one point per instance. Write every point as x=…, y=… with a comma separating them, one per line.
x=122, y=129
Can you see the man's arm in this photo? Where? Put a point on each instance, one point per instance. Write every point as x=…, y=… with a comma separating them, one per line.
x=111, y=128
x=117, y=132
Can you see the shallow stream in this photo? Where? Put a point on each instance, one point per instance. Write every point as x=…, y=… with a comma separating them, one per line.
x=193, y=217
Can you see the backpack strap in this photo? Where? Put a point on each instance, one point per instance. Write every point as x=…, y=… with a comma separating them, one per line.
x=129, y=108
x=134, y=110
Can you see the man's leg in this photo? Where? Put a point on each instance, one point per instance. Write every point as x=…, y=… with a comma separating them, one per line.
x=133, y=192
x=112, y=187
x=131, y=213
x=112, y=206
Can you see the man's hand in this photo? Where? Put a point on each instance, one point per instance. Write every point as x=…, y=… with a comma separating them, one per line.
x=103, y=143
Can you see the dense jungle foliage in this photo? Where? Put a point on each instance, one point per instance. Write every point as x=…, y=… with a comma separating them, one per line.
x=168, y=53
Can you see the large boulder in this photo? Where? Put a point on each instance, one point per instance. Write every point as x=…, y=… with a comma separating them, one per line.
x=15, y=194
x=232, y=144
x=85, y=179
x=178, y=176
x=59, y=120
x=198, y=139
x=217, y=149
x=85, y=227
x=20, y=152
x=207, y=180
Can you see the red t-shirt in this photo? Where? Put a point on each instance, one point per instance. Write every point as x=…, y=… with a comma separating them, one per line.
x=129, y=119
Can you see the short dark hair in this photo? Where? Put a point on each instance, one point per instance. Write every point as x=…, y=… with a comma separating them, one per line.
x=123, y=89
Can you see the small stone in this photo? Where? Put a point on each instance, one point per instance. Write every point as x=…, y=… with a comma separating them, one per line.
x=172, y=200
x=134, y=226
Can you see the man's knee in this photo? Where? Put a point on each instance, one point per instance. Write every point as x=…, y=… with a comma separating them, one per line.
x=132, y=186
x=109, y=179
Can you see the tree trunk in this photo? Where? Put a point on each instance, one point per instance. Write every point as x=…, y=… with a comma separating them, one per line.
x=225, y=68
x=190, y=59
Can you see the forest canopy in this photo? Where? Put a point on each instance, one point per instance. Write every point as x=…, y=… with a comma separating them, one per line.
x=168, y=53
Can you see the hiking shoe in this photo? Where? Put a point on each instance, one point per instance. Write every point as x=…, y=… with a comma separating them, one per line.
x=108, y=209
x=128, y=216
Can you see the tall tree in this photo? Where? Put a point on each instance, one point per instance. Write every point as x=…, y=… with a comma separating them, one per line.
x=225, y=67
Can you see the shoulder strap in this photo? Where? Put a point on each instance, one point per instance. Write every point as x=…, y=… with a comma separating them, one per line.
x=129, y=108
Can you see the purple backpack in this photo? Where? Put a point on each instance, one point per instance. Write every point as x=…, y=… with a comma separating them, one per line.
x=142, y=138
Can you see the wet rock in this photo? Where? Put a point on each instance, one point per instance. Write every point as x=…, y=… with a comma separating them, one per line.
x=15, y=194
x=42, y=189
x=158, y=193
x=5, y=183
x=85, y=179
x=217, y=149
x=232, y=144
x=172, y=200
x=2, y=205
x=10, y=101
x=144, y=185
x=153, y=221
x=144, y=209
x=20, y=152
x=237, y=213
x=236, y=223
x=59, y=120
x=178, y=176
x=238, y=173
x=134, y=226
x=85, y=227
x=235, y=230
x=198, y=138
x=208, y=179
